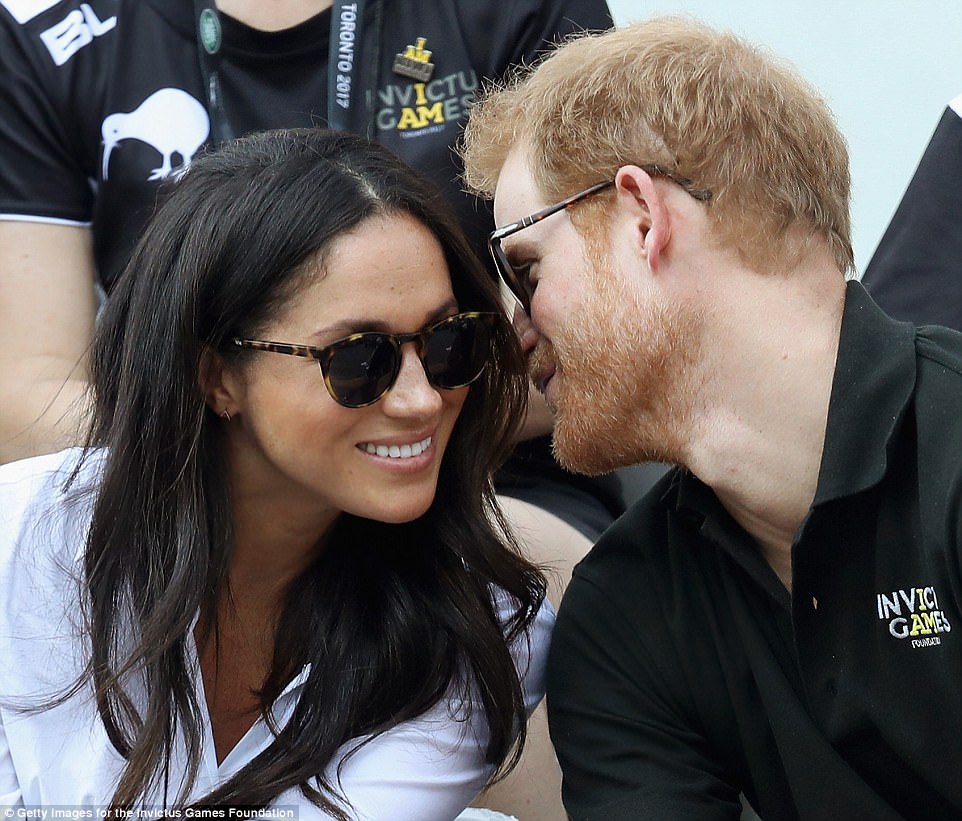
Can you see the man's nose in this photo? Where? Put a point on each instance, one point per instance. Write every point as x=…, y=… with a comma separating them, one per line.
x=527, y=334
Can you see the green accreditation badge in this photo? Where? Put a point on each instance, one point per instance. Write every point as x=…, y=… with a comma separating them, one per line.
x=209, y=28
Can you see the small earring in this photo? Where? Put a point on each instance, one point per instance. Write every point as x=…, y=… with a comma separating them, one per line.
x=225, y=415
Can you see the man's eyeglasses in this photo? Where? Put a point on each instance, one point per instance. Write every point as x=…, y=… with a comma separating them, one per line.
x=517, y=278
x=359, y=369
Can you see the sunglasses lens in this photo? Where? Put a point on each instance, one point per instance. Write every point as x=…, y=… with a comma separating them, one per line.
x=457, y=350
x=362, y=369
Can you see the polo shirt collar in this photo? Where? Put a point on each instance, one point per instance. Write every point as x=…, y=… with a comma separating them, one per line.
x=873, y=385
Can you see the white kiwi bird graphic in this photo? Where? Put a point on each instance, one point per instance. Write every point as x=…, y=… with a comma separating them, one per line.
x=170, y=120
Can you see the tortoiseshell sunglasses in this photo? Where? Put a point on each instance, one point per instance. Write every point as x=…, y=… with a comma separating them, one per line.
x=359, y=369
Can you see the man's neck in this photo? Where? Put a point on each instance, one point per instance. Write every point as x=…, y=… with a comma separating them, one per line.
x=272, y=16
x=759, y=441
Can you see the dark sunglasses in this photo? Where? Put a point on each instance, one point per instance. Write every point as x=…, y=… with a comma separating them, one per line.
x=517, y=278
x=359, y=369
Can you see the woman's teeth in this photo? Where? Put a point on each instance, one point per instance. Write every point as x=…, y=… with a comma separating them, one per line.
x=398, y=451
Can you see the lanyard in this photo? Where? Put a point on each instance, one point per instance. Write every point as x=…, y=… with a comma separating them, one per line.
x=207, y=25
x=343, y=64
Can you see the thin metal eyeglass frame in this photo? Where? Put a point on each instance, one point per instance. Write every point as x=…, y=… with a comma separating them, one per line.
x=325, y=355
x=503, y=266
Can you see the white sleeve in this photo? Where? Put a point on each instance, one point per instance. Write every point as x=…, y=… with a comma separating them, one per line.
x=430, y=768
x=9, y=785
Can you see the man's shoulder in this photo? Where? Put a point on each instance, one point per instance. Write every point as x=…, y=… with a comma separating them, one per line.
x=938, y=416
x=636, y=540
x=941, y=346
x=938, y=398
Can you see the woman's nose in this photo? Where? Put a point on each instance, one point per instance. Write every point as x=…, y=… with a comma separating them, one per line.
x=412, y=393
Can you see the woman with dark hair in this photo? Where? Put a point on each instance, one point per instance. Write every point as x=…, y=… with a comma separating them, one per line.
x=276, y=574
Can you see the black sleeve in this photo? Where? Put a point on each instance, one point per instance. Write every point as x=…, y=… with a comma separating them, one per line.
x=916, y=271
x=619, y=720
x=40, y=174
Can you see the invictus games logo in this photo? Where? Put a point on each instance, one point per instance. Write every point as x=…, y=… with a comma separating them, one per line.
x=914, y=614
x=417, y=109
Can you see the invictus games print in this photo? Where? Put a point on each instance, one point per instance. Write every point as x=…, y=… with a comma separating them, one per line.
x=914, y=614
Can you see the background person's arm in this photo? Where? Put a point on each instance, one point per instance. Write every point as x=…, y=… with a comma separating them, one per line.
x=47, y=312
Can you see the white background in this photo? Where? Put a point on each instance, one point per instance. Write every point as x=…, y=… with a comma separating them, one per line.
x=887, y=69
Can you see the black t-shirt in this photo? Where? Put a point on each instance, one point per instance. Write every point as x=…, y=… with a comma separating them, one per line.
x=682, y=672
x=101, y=101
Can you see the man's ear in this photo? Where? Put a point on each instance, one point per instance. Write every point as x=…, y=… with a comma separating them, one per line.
x=216, y=383
x=647, y=211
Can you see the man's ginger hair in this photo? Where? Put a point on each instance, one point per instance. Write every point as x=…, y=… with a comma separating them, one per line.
x=706, y=104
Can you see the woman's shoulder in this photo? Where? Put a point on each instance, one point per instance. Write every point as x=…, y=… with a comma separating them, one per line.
x=34, y=471
x=45, y=504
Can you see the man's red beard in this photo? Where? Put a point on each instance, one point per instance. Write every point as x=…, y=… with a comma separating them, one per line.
x=622, y=394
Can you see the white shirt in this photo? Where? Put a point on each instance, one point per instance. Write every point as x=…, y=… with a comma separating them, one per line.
x=427, y=768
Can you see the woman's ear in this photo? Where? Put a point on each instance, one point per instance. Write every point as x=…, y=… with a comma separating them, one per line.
x=216, y=383
x=647, y=212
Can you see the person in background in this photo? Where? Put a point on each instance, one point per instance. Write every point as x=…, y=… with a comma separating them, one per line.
x=272, y=576
x=673, y=206
x=915, y=273
x=100, y=101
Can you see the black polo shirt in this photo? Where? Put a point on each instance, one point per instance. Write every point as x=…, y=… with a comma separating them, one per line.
x=682, y=672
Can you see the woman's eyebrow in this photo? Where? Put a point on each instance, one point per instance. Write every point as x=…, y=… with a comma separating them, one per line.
x=344, y=327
